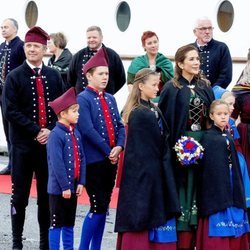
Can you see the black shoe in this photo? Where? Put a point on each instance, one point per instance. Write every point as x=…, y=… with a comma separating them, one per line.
x=5, y=171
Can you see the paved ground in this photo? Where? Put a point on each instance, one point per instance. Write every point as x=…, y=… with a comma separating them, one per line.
x=31, y=226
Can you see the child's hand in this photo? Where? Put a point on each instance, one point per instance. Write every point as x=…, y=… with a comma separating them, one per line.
x=114, y=160
x=79, y=190
x=115, y=152
x=66, y=194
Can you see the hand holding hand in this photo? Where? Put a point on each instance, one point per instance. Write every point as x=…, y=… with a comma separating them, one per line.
x=79, y=190
x=114, y=153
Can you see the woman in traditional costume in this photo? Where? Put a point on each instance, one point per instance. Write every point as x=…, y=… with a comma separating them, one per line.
x=242, y=113
x=242, y=110
x=152, y=59
x=184, y=102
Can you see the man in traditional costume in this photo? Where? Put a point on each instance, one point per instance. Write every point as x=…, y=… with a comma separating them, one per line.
x=216, y=61
x=76, y=76
x=26, y=94
x=11, y=56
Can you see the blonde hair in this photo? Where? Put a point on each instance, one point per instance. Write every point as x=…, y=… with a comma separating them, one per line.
x=216, y=103
x=227, y=94
x=134, y=98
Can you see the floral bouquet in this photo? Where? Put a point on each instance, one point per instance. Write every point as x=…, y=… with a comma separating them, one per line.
x=188, y=150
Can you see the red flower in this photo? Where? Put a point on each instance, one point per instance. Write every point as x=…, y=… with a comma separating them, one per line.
x=190, y=145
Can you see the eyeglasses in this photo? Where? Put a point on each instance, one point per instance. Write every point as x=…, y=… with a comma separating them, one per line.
x=210, y=28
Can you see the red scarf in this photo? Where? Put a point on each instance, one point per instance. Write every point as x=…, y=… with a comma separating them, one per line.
x=41, y=99
x=76, y=153
x=107, y=117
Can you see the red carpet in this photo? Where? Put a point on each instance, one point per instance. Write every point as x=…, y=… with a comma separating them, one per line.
x=5, y=187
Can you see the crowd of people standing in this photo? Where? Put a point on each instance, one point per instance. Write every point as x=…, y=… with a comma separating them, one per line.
x=63, y=126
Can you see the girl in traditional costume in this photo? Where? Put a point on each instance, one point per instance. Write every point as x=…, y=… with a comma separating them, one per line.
x=229, y=98
x=153, y=60
x=148, y=201
x=221, y=203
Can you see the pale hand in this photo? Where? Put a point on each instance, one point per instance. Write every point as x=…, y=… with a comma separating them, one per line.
x=66, y=194
x=79, y=190
x=43, y=136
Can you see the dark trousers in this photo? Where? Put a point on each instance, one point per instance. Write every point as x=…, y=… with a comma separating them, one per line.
x=27, y=160
x=62, y=211
x=100, y=181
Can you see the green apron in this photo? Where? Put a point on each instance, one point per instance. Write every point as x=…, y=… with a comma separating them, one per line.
x=187, y=193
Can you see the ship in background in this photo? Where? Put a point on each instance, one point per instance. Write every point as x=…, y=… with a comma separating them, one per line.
x=123, y=23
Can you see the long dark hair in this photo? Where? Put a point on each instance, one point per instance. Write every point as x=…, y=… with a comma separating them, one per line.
x=180, y=56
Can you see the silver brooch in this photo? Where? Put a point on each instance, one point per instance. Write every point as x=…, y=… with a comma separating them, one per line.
x=195, y=127
x=156, y=113
x=197, y=101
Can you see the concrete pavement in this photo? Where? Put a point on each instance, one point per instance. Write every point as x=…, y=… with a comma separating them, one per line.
x=31, y=232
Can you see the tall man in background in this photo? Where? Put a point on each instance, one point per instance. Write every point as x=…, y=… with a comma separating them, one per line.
x=26, y=94
x=11, y=56
x=216, y=61
x=77, y=78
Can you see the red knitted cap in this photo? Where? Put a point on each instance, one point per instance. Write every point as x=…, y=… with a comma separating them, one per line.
x=37, y=35
x=99, y=59
x=64, y=101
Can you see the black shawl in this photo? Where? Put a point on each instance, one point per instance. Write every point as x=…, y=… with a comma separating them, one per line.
x=214, y=189
x=148, y=194
x=174, y=104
